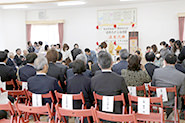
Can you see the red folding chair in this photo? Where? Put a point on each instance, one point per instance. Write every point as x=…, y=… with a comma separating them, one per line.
x=22, y=108
x=61, y=113
x=152, y=89
x=8, y=107
x=75, y=97
x=11, y=83
x=154, y=102
x=98, y=115
x=141, y=88
x=116, y=98
x=19, y=84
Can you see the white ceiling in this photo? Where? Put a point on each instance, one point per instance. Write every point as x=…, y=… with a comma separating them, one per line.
x=49, y=4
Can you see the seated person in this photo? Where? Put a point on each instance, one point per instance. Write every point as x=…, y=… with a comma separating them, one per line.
x=7, y=73
x=134, y=76
x=123, y=64
x=11, y=62
x=54, y=70
x=169, y=76
x=80, y=83
x=42, y=83
x=28, y=70
x=107, y=82
x=150, y=66
x=86, y=73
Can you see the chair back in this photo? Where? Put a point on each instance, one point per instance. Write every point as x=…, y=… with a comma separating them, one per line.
x=19, y=84
x=141, y=88
x=11, y=83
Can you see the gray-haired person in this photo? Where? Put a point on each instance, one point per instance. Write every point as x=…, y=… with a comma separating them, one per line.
x=123, y=64
x=107, y=82
x=42, y=83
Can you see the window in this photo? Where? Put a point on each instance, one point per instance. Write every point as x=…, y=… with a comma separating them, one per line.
x=47, y=33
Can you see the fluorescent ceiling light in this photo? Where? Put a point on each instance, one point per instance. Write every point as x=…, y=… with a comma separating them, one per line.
x=71, y=3
x=14, y=7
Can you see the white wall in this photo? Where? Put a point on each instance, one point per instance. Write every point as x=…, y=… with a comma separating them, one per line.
x=156, y=22
x=12, y=30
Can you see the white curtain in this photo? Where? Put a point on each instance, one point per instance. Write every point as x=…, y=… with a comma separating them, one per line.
x=46, y=33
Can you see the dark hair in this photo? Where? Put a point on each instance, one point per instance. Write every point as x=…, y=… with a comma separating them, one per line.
x=163, y=43
x=172, y=40
x=123, y=54
x=154, y=48
x=90, y=61
x=179, y=44
x=52, y=55
x=30, y=58
x=87, y=50
x=17, y=49
x=65, y=46
x=101, y=46
x=6, y=50
x=118, y=59
x=150, y=57
x=29, y=43
x=78, y=67
x=134, y=63
x=171, y=59
x=148, y=47
x=40, y=43
x=60, y=56
x=35, y=43
x=67, y=61
x=46, y=47
x=104, y=44
x=104, y=59
x=138, y=52
x=3, y=56
x=58, y=45
x=76, y=45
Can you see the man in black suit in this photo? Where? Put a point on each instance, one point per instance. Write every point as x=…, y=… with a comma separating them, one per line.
x=30, y=47
x=28, y=70
x=19, y=59
x=76, y=51
x=6, y=72
x=54, y=70
x=95, y=68
x=150, y=67
x=123, y=64
x=42, y=83
x=109, y=83
x=11, y=61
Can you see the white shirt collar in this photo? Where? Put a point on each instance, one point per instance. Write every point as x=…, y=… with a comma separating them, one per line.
x=41, y=73
x=106, y=70
x=30, y=64
x=2, y=63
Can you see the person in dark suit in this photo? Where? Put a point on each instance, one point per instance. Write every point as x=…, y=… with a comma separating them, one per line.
x=95, y=68
x=80, y=83
x=6, y=72
x=123, y=64
x=41, y=83
x=109, y=83
x=19, y=59
x=150, y=67
x=31, y=49
x=87, y=73
x=180, y=67
x=54, y=70
x=76, y=51
x=10, y=62
x=28, y=70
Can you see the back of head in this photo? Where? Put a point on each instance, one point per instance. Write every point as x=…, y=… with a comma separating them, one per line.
x=58, y=46
x=78, y=67
x=52, y=55
x=39, y=62
x=40, y=43
x=59, y=56
x=171, y=59
x=6, y=50
x=87, y=50
x=150, y=57
x=46, y=48
x=30, y=58
x=3, y=56
x=104, y=44
x=123, y=54
x=82, y=57
x=104, y=59
x=134, y=63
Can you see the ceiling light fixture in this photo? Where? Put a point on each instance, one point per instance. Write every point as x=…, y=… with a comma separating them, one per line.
x=14, y=7
x=71, y=3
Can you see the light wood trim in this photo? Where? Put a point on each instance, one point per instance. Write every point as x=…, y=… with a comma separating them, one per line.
x=52, y=22
x=181, y=14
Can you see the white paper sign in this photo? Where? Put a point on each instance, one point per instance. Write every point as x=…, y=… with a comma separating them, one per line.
x=36, y=100
x=146, y=85
x=132, y=90
x=67, y=101
x=24, y=85
x=162, y=91
x=108, y=103
x=143, y=105
x=4, y=98
x=2, y=84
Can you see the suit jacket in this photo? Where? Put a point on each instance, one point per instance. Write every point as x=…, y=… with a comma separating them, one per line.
x=95, y=68
x=110, y=84
x=64, y=67
x=75, y=52
x=31, y=49
x=70, y=73
x=180, y=67
x=7, y=74
x=80, y=83
x=58, y=73
x=123, y=64
x=150, y=67
x=42, y=84
x=169, y=77
x=181, y=56
x=18, y=60
x=26, y=72
x=11, y=63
